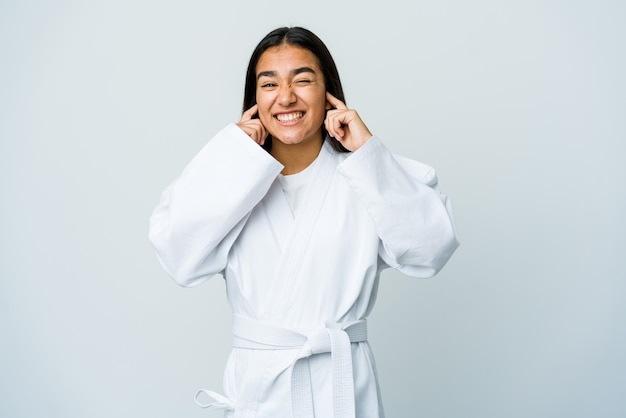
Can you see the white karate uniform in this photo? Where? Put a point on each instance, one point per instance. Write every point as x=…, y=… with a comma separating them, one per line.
x=301, y=260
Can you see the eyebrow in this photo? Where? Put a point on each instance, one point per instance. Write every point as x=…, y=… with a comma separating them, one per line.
x=293, y=72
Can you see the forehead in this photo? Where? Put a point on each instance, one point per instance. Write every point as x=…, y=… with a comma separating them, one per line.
x=284, y=58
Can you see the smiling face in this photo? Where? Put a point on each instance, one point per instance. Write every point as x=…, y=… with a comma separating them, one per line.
x=291, y=95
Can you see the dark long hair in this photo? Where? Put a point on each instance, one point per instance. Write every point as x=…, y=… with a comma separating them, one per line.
x=302, y=38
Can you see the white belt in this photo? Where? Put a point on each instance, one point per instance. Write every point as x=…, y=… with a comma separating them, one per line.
x=334, y=338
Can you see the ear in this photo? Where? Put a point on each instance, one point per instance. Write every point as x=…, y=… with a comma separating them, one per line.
x=329, y=104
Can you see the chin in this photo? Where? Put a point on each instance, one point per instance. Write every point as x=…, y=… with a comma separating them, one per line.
x=294, y=138
x=287, y=138
x=287, y=141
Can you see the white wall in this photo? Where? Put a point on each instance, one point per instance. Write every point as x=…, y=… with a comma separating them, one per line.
x=520, y=105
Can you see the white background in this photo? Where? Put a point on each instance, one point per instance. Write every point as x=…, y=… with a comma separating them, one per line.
x=519, y=105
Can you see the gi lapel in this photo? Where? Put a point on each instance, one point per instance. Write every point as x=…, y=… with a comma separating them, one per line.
x=294, y=251
x=276, y=209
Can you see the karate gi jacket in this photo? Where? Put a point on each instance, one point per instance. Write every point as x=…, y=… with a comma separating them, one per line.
x=301, y=286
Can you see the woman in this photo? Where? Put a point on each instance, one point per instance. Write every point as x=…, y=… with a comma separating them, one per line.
x=300, y=208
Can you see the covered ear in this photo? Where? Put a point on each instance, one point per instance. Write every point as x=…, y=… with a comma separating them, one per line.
x=328, y=106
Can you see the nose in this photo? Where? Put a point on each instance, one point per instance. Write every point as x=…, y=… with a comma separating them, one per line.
x=286, y=95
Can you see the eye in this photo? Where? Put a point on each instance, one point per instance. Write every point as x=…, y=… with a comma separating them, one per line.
x=268, y=85
x=303, y=82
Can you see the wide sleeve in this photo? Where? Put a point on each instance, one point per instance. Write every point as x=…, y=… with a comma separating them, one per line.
x=413, y=219
x=203, y=211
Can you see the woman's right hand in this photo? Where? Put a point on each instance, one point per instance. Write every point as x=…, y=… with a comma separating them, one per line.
x=253, y=126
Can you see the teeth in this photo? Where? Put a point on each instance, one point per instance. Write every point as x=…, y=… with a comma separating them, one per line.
x=288, y=117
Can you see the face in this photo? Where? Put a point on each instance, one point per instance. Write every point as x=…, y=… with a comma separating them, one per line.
x=291, y=94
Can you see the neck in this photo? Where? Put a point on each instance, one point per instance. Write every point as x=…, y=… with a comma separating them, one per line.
x=296, y=157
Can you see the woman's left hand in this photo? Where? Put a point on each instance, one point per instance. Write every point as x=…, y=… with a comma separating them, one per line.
x=345, y=125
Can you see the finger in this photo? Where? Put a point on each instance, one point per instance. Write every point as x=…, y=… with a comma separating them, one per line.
x=335, y=102
x=256, y=136
x=333, y=123
x=262, y=133
x=258, y=133
x=248, y=114
x=254, y=129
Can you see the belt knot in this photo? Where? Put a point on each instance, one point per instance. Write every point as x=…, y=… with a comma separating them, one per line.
x=331, y=337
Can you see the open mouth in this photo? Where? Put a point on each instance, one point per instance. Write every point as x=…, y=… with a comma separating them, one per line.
x=289, y=117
